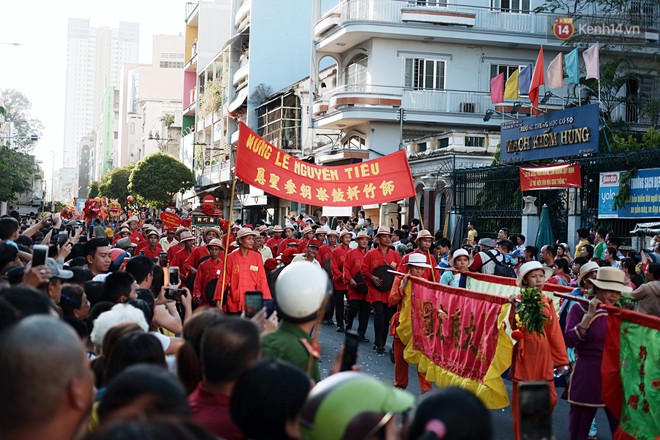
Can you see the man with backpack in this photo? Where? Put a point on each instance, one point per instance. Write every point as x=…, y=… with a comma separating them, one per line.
x=490, y=260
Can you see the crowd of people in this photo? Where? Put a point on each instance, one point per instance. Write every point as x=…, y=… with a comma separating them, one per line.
x=140, y=331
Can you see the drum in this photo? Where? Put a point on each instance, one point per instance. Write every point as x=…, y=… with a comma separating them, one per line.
x=387, y=277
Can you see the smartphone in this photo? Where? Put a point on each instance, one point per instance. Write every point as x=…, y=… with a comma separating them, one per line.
x=351, y=343
x=174, y=294
x=62, y=237
x=254, y=301
x=174, y=275
x=535, y=411
x=162, y=259
x=54, y=236
x=39, y=254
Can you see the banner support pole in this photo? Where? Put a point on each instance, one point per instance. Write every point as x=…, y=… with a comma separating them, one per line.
x=421, y=223
x=224, y=259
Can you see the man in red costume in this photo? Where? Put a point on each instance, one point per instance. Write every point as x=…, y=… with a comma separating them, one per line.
x=288, y=238
x=175, y=248
x=153, y=249
x=305, y=236
x=274, y=242
x=245, y=272
x=424, y=241
x=187, y=241
x=337, y=258
x=357, y=301
x=201, y=251
x=378, y=299
x=209, y=269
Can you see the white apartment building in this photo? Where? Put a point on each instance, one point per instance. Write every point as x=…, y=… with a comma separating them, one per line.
x=432, y=61
x=95, y=56
x=150, y=103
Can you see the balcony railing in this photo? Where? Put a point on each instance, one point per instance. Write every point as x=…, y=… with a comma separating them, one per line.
x=426, y=100
x=393, y=11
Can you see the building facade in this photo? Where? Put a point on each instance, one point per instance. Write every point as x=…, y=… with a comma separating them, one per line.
x=95, y=56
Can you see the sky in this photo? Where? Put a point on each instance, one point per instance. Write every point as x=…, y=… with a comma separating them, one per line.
x=37, y=66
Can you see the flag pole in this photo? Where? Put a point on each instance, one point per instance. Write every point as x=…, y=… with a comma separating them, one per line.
x=224, y=259
x=421, y=223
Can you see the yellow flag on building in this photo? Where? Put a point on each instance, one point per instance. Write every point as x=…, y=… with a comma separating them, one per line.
x=511, y=87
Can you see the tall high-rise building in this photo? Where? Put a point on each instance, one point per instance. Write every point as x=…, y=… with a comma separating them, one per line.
x=95, y=56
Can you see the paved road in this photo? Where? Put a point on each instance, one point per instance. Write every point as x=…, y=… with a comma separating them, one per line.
x=381, y=367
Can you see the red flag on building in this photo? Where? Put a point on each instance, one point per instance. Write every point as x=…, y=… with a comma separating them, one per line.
x=497, y=89
x=538, y=78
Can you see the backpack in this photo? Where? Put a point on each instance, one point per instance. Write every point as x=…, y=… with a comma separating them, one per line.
x=501, y=269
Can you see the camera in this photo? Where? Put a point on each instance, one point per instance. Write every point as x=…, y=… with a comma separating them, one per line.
x=174, y=294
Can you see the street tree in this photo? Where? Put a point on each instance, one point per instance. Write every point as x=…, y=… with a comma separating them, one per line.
x=26, y=129
x=158, y=178
x=114, y=184
x=17, y=169
x=94, y=189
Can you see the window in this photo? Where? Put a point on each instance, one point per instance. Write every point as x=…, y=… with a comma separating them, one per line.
x=474, y=141
x=356, y=70
x=424, y=74
x=171, y=64
x=642, y=13
x=512, y=6
x=428, y=2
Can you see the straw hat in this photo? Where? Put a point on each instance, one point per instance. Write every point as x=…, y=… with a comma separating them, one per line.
x=211, y=229
x=277, y=228
x=347, y=232
x=216, y=242
x=383, y=231
x=131, y=220
x=424, y=234
x=530, y=266
x=306, y=230
x=460, y=253
x=244, y=232
x=418, y=260
x=333, y=232
x=186, y=236
x=361, y=234
x=152, y=232
x=586, y=268
x=611, y=278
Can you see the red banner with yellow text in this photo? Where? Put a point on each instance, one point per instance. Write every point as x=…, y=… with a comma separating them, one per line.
x=266, y=167
x=566, y=175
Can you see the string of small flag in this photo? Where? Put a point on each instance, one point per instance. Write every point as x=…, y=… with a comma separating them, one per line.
x=529, y=79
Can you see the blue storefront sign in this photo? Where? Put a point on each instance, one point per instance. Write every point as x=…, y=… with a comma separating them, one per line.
x=644, y=200
x=560, y=134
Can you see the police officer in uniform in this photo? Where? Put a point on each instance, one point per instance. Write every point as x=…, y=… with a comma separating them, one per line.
x=301, y=289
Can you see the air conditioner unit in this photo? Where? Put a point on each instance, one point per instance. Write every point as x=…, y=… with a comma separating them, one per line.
x=468, y=107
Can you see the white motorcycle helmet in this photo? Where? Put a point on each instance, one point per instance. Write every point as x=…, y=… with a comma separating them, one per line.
x=300, y=290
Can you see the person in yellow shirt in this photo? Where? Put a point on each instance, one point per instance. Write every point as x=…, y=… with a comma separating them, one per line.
x=583, y=235
x=472, y=234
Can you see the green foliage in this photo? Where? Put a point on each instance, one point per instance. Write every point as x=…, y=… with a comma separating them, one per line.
x=16, y=169
x=94, y=189
x=167, y=119
x=156, y=179
x=211, y=99
x=17, y=111
x=625, y=301
x=530, y=310
x=114, y=184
